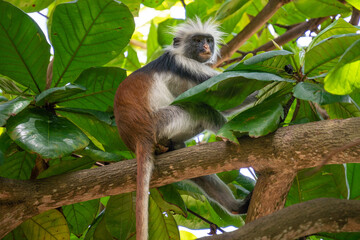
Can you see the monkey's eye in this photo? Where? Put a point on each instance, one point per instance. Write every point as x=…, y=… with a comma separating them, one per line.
x=210, y=40
x=198, y=40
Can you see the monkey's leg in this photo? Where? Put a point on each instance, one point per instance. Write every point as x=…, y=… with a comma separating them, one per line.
x=218, y=191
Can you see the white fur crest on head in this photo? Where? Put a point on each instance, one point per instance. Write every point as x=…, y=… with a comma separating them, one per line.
x=190, y=27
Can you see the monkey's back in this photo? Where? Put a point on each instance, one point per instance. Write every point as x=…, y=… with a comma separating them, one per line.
x=132, y=111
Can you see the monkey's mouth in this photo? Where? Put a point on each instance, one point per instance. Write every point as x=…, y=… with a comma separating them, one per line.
x=205, y=54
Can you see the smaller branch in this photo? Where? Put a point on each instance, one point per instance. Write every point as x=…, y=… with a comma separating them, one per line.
x=205, y=220
x=326, y=215
x=355, y=17
x=183, y=3
x=137, y=43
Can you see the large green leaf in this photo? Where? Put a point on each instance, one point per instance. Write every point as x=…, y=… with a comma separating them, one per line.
x=50, y=225
x=88, y=33
x=344, y=77
x=162, y=226
x=81, y=215
x=321, y=8
x=229, y=89
x=198, y=9
x=56, y=94
x=329, y=181
x=316, y=93
x=270, y=62
x=120, y=215
x=98, y=131
x=322, y=57
x=42, y=132
x=24, y=52
x=336, y=28
x=101, y=84
x=257, y=121
x=18, y=165
x=12, y=108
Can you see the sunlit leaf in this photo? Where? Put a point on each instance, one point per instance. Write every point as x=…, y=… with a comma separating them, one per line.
x=338, y=27
x=30, y=5
x=89, y=39
x=152, y=3
x=344, y=77
x=24, y=51
x=324, y=56
x=42, y=132
x=316, y=9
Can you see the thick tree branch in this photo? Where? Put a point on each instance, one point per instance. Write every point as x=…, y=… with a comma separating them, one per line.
x=288, y=149
x=319, y=215
x=264, y=15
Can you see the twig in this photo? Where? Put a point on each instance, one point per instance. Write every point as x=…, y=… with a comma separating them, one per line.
x=43, y=15
x=183, y=3
x=205, y=220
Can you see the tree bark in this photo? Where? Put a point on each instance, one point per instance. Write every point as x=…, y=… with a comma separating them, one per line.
x=319, y=215
x=289, y=149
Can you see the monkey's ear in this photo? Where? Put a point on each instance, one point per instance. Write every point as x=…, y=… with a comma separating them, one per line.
x=176, y=42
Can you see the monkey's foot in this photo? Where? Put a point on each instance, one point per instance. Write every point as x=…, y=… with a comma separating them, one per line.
x=160, y=149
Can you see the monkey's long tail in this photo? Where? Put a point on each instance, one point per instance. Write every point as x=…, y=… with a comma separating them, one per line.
x=145, y=163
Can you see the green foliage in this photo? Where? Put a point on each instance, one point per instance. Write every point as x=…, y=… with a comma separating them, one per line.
x=66, y=120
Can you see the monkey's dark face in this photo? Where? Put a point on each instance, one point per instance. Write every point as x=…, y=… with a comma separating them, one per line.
x=199, y=47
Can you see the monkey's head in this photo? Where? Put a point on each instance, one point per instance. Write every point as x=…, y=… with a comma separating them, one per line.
x=196, y=40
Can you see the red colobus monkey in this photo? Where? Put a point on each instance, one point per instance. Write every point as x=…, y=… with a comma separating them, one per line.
x=146, y=119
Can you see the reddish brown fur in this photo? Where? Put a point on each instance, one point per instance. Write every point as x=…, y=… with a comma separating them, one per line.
x=136, y=127
x=132, y=112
